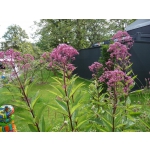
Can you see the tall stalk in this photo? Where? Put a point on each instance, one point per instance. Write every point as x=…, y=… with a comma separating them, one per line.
x=26, y=98
x=67, y=102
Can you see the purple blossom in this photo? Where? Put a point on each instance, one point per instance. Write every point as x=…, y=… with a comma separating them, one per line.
x=124, y=38
x=71, y=67
x=95, y=67
x=118, y=51
x=63, y=54
x=111, y=78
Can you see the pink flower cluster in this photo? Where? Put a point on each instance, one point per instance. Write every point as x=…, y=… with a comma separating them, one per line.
x=62, y=57
x=95, y=67
x=124, y=38
x=118, y=51
x=11, y=57
x=64, y=53
x=109, y=65
x=45, y=57
x=111, y=78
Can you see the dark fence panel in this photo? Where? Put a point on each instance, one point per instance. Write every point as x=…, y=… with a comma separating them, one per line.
x=145, y=29
x=85, y=58
x=141, y=62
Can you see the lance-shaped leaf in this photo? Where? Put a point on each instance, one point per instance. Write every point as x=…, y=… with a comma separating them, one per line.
x=62, y=104
x=32, y=127
x=144, y=123
x=59, y=90
x=75, y=108
x=13, y=94
x=20, y=104
x=42, y=124
x=34, y=101
x=27, y=118
x=57, y=80
x=75, y=89
x=39, y=114
x=107, y=122
x=58, y=109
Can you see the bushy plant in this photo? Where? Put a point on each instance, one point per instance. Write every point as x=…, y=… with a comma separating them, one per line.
x=114, y=107
x=19, y=82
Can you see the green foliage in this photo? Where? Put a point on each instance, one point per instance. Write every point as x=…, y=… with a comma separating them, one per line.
x=69, y=102
x=16, y=35
x=80, y=33
x=103, y=59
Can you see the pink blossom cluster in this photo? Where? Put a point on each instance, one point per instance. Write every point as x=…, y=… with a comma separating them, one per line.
x=64, y=53
x=124, y=38
x=109, y=64
x=118, y=51
x=111, y=78
x=11, y=57
x=95, y=67
x=62, y=56
x=45, y=57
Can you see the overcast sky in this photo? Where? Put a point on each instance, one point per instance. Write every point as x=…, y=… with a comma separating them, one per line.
x=24, y=24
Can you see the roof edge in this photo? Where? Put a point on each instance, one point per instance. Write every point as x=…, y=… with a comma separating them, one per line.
x=137, y=26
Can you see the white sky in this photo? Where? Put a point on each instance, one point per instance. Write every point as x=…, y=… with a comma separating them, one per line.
x=24, y=24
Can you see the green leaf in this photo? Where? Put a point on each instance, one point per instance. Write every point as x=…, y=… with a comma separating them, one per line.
x=62, y=105
x=144, y=123
x=119, y=125
x=82, y=122
x=75, y=107
x=53, y=92
x=48, y=129
x=33, y=102
x=32, y=127
x=13, y=94
x=58, y=109
x=107, y=122
x=20, y=104
x=74, y=115
x=137, y=91
x=103, y=129
x=38, y=116
x=75, y=89
x=72, y=81
x=26, y=89
x=26, y=118
x=128, y=102
x=127, y=67
x=56, y=80
x=59, y=90
x=129, y=72
x=43, y=124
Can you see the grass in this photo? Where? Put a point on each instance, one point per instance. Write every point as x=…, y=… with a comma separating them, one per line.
x=52, y=118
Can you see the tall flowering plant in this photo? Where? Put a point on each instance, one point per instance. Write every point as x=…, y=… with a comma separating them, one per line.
x=117, y=77
x=69, y=99
x=19, y=83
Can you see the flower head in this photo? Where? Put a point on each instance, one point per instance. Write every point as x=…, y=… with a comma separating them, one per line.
x=95, y=67
x=124, y=38
x=63, y=54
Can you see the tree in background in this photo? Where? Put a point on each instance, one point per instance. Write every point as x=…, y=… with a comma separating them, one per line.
x=80, y=33
x=119, y=24
x=15, y=35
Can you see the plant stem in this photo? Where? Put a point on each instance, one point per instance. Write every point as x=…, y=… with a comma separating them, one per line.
x=114, y=109
x=26, y=99
x=67, y=102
